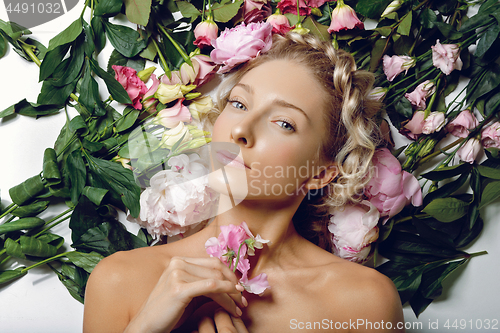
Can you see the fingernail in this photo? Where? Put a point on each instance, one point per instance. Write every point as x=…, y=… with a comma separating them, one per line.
x=244, y=301
x=238, y=311
x=239, y=287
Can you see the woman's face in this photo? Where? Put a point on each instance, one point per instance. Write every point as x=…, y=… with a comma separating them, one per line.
x=275, y=116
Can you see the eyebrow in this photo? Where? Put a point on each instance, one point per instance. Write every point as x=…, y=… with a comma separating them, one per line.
x=279, y=102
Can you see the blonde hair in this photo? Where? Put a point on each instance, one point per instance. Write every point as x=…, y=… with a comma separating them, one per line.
x=352, y=134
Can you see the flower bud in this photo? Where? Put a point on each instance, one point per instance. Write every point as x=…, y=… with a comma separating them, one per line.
x=393, y=6
x=146, y=73
x=316, y=12
x=205, y=32
x=198, y=142
x=300, y=29
x=427, y=147
x=469, y=151
x=200, y=106
x=434, y=186
x=434, y=122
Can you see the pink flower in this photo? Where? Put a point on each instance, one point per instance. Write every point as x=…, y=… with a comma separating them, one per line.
x=413, y=128
x=257, y=285
x=396, y=64
x=391, y=189
x=490, y=136
x=446, y=57
x=316, y=3
x=148, y=103
x=434, y=122
x=344, y=18
x=205, y=32
x=175, y=78
x=170, y=117
x=290, y=6
x=469, y=151
x=204, y=68
x=132, y=84
x=353, y=228
x=253, y=242
x=420, y=94
x=461, y=125
x=280, y=23
x=377, y=93
x=255, y=11
x=240, y=44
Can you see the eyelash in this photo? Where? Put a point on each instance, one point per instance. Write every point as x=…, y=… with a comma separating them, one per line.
x=284, y=120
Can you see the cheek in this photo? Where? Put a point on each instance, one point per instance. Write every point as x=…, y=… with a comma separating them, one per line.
x=221, y=128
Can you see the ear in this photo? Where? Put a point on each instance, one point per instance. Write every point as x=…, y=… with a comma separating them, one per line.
x=324, y=175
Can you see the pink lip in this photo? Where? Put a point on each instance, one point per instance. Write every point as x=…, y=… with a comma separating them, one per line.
x=230, y=159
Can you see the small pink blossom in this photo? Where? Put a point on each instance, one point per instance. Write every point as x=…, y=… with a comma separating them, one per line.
x=290, y=7
x=240, y=44
x=149, y=102
x=354, y=228
x=469, y=151
x=280, y=23
x=446, y=57
x=397, y=64
x=413, y=128
x=434, y=122
x=462, y=124
x=257, y=285
x=132, y=84
x=490, y=136
x=205, y=32
x=344, y=18
x=170, y=117
x=317, y=3
x=391, y=189
x=420, y=94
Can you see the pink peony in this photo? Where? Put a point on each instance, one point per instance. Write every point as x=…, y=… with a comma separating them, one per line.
x=420, y=94
x=290, y=6
x=240, y=44
x=391, y=189
x=205, y=32
x=434, y=122
x=344, y=18
x=490, y=136
x=178, y=198
x=170, y=117
x=446, y=57
x=396, y=64
x=461, y=125
x=469, y=151
x=132, y=84
x=354, y=228
x=413, y=128
x=280, y=23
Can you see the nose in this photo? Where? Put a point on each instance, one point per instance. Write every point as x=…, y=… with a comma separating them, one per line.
x=242, y=132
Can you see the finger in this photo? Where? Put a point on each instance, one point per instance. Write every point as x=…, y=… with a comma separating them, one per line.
x=239, y=325
x=223, y=322
x=206, y=325
x=213, y=263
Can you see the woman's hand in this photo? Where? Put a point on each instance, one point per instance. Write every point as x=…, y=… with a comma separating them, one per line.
x=211, y=318
x=183, y=280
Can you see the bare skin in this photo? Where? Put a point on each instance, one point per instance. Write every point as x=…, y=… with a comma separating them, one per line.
x=273, y=116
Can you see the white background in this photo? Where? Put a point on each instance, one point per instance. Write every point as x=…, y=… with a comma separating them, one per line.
x=38, y=302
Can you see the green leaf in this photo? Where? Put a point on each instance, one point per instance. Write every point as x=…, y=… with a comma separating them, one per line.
x=13, y=249
x=99, y=34
x=52, y=60
x=124, y=39
x=129, y=117
x=50, y=168
x=119, y=180
x=89, y=94
x=8, y=111
x=138, y=11
x=188, y=10
x=226, y=10
x=447, y=189
x=88, y=39
x=74, y=279
x=488, y=172
x=116, y=90
x=69, y=69
x=14, y=30
x=492, y=104
x=78, y=124
x=26, y=108
x=77, y=174
x=27, y=190
x=21, y=224
x=51, y=239
x=317, y=29
x=108, y=8
x=403, y=107
x=372, y=8
x=95, y=194
x=51, y=94
x=32, y=209
x=404, y=27
x=487, y=40
x=446, y=209
x=3, y=46
x=377, y=53
x=34, y=247
x=9, y=275
x=427, y=18
x=67, y=35
x=490, y=193
x=489, y=81
x=448, y=172
x=87, y=261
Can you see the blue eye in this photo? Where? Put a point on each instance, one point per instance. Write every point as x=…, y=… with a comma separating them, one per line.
x=237, y=105
x=285, y=125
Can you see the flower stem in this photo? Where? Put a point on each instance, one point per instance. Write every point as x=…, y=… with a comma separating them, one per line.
x=451, y=145
x=56, y=223
x=9, y=209
x=238, y=257
x=177, y=46
x=45, y=261
x=167, y=70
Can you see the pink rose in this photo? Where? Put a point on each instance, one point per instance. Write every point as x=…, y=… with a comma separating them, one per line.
x=461, y=125
x=240, y=44
x=469, y=151
x=205, y=32
x=280, y=23
x=148, y=103
x=170, y=117
x=413, y=128
x=344, y=18
x=391, y=189
x=446, y=57
x=316, y=3
x=434, y=122
x=420, y=94
x=132, y=84
x=290, y=6
x=396, y=64
x=490, y=136
x=354, y=228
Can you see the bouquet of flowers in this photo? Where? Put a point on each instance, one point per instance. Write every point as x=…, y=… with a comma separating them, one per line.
x=420, y=210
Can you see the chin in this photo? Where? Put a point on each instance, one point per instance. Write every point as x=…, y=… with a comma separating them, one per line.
x=235, y=186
